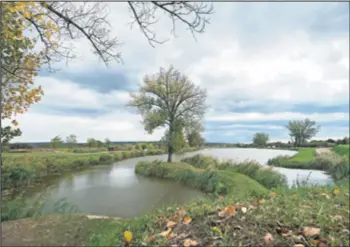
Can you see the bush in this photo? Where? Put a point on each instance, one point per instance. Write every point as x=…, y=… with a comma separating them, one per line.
x=201, y=161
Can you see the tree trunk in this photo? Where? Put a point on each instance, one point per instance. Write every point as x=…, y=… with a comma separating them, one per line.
x=170, y=153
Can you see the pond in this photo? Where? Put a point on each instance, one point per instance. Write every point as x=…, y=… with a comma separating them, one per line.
x=115, y=190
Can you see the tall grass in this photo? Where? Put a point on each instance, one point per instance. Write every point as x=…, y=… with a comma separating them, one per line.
x=265, y=176
x=21, y=170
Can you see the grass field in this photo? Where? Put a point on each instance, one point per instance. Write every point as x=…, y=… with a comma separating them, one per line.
x=304, y=155
x=343, y=150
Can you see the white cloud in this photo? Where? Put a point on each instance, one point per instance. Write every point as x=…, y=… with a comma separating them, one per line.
x=242, y=62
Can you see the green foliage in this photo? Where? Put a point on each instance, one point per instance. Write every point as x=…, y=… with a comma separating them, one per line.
x=201, y=161
x=56, y=142
x=170, y=99
x=260, y=139
x=71, y=140
x=302, y=130
x=343, y=150
x=335, y=165
x=212, y=181
x=7, y=134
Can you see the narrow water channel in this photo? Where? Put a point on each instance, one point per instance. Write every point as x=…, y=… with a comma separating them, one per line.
x=115, y=190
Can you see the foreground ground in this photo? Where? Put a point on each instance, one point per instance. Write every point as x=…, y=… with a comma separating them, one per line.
x=279, y=219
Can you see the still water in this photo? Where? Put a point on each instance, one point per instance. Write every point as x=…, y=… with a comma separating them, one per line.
x=115, y=190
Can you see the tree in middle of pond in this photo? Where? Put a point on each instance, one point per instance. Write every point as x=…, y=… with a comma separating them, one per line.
x=169, y=99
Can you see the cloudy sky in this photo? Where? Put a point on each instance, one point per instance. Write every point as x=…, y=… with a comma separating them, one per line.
x=261, y=63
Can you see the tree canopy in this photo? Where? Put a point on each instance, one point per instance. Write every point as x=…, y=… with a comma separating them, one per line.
x=169, y=99
x=302, y=130
x=260, y=139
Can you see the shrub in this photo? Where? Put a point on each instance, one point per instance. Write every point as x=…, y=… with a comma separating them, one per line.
x=201, y=161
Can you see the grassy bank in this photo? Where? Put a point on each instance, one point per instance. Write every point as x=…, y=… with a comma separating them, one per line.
x=212, y=181
x=20, y=170
x=342, y=150
x=265, y=176
x=334, y=164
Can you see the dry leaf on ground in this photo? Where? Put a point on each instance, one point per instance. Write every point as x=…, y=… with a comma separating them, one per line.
x=298, y=245
x=311, y=231
x=187, y=219
x=166, y=233
x=262, y=201
x=228, y=211
x=189, y=242
x=268, y=239
x=127, y=237
x=150, y=239
x=284, y=232
x=244, y=209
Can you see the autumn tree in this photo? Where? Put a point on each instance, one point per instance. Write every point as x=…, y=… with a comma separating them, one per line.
x=169, y=99
x=260, y=139
x=302, y=130
x=71, y=140
x=56, y=142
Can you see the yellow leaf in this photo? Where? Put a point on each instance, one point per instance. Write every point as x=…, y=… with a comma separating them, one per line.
x=268, y=239
x=189, y=242
x=166, y=233
x=262, y=201
x=336, y=191
x=311, y=231
x=128, y=237
x=187, y=219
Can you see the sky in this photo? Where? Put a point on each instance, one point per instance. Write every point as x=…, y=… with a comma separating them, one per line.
x=262, y=65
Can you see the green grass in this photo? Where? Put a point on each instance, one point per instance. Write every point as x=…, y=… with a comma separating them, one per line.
x=292, y=208
x=304, y=155
x=343, y=150
x=212, y=181
x=264, y=175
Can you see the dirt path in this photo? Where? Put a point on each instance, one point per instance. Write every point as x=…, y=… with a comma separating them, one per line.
x=52, y=230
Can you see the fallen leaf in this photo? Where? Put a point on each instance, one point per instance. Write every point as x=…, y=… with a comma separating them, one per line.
x=262, y=201
x=182, y=235
x=128, y=237
x=244, y=209
x=268, y=239
x=228, y=211
x=298, y=245
x=221, y=198
x=336, y=191
x=187, y=219
x=212, y=245
x=311, y=231
x=171, y=224
x=189, y=242
x=166, y=233
x=272, y=194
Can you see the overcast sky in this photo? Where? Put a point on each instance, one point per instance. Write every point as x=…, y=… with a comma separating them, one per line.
x=261, y=63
